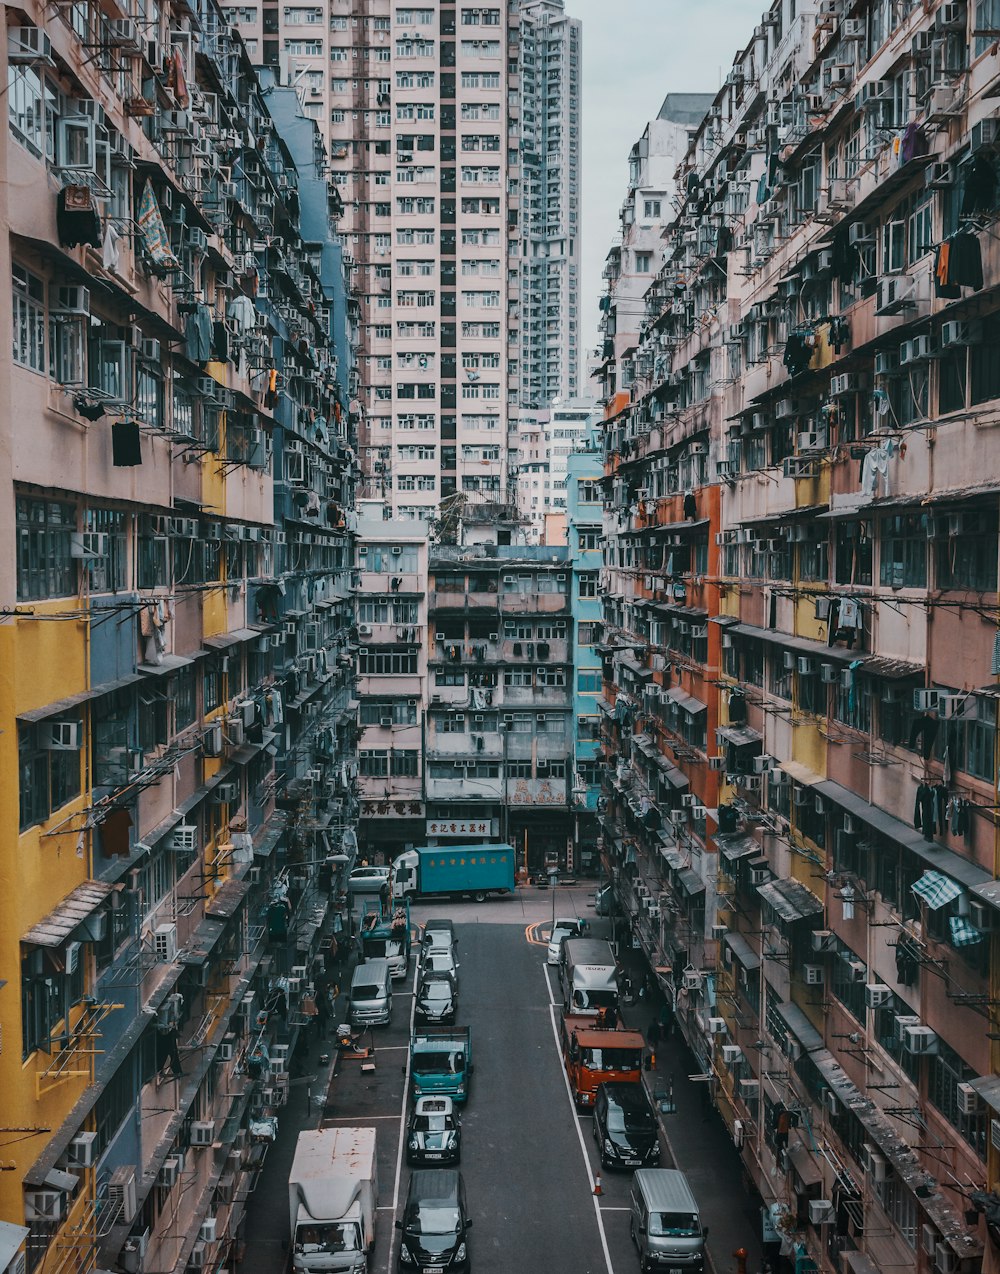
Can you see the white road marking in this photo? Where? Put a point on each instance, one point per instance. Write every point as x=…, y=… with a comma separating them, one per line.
x=402, y=1122
x=553, y=1017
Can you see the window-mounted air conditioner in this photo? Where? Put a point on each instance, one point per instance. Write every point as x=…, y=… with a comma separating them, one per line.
x=813, y=974
x=61, y=736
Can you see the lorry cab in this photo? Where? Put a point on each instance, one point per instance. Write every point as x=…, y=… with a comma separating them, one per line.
x=595, y=1055
x=665, y=1222
x=371, y=994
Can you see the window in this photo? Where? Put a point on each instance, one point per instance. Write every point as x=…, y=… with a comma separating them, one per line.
x=853, y=553
x=46, y=996
x=29, y=319
x=588, y=682
x=381, y=663
x=45, y=566
x=405, y=763
x=211, y=685
x=966, y=552
x=651, y=208
x=589, y=540
x=47, y=778
x=643, y=262
x=588, y=579
x=903, y=551
x=373, y=765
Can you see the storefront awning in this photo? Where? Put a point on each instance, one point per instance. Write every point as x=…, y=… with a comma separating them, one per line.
x=790, y=899
x=742, y=950
x=74, y=909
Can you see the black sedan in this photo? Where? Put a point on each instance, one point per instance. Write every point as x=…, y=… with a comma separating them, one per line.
x=625, y=1127
x=434, y=1134
x=437, y=1000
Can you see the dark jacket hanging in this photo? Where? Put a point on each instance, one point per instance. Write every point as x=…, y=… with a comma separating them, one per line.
x=125, y=449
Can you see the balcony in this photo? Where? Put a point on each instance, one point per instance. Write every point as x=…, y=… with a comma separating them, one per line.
x=554, y=651
x=464, y=745
x=463, y=601
x=381, y=583
x=534, y=603
x=534, y=696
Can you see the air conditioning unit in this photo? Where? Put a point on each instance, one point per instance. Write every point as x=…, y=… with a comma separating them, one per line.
x=198, y=1257
x=72, y=300
x=805, y=666
x=760, y=875
x=165, y=943
x=981, y=915
x=829, y=674
x=886, y=363
x=958, y=333
x=717, y=1026
x=61, y=736
x=170, y=1172
x=80, y=1152
x=28, y=46
x=84, y=544
x=877, y=996
x=785, y=408
x=813, y=974
x=920, y=1039
x=860, y=235
x=945, y=1260
x=846, y=383
x=902, y=1022
x=875, y=1163
x=763, y=764
x=925, y=700
x=184, y=528
x=732, y=1054
x=691, y=980
x=202, y=1133
x=207, y=1230
x=823, y=940
x=226, y=794
x=821, y=1210
x=121, y=1194
x=749, y=1089
x=968, y=1100
x=917, y=350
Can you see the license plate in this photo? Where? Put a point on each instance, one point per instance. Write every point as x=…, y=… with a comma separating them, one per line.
x=433, y=1154
x=675, y=1269
x=634, y=1163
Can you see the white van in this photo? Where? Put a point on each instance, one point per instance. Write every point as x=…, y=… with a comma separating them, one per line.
x=371, y=994
x=665, y=1222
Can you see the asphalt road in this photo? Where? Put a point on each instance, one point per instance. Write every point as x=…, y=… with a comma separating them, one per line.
x=528, y=1158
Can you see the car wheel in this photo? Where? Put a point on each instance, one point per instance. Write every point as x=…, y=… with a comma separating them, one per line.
x=631, y=1230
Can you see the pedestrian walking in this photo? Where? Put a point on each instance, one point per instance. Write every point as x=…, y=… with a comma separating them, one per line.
x=653, y=1034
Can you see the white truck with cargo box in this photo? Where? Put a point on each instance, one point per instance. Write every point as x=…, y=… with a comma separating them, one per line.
x=332, y=1197
x=588, y=972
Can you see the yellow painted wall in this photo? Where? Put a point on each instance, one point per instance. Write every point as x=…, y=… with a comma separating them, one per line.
x=41, y=661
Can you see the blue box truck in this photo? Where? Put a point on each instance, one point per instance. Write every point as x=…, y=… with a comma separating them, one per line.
x=454, y=871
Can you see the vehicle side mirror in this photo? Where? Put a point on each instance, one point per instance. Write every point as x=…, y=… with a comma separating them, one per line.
x=468, y=1224
x=705, y=1232
x=641, y=1228
x=472, y=1067
x=399, y=1225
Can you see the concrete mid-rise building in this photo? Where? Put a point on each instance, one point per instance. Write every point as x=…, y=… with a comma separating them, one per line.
x=545, y=441
x=551, y=69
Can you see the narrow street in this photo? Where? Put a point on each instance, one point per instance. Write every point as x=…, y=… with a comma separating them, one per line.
x=528, y=1157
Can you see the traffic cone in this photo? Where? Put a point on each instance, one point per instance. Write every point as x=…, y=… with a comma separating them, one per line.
x=597, y=1185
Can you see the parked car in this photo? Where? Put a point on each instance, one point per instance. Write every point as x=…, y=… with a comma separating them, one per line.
x=625, y=1127
x=361, y=873
x=565, y=927
x=437, y=1000
x=435, y=1132
x=437, y=961
x=435, y=1223
x=438, y=940
x=441, y=925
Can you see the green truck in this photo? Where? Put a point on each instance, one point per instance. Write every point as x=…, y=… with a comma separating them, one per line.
x=386, y=935
x=454, y=871
x=441, y=1062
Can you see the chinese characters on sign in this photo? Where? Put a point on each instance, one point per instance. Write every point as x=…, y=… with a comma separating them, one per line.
x=459, y=827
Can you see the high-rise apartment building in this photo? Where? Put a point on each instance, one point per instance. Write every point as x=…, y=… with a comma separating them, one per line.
x=544, y=442
x=799, y=668
x=420, y=103
x=551, y=139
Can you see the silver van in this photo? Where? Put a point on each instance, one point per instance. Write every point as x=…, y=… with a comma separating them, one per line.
x=665, y=1222
x=371, y=994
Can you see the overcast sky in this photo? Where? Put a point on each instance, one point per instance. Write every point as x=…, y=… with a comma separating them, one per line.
x=635, y=52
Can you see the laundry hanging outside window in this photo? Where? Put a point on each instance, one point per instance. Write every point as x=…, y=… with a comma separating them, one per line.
x=154, y=232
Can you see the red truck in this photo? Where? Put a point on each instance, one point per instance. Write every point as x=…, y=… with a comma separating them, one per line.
x=594, y=1055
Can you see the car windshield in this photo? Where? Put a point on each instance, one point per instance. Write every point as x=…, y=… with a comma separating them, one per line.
x=368, y=991
x=674, y=1223
x=440, y=960
x=559, y=936
x=594, y=999
x=433, y=1123
x=327, y=1238
x=433, y=1218
x=436, y=991
x=437, y=1063
x=374, y=946
x=627, y=1120
x=612, y=1059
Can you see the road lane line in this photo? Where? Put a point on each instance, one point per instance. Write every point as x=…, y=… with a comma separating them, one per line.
x=402, y=1123
x=553, y=1017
